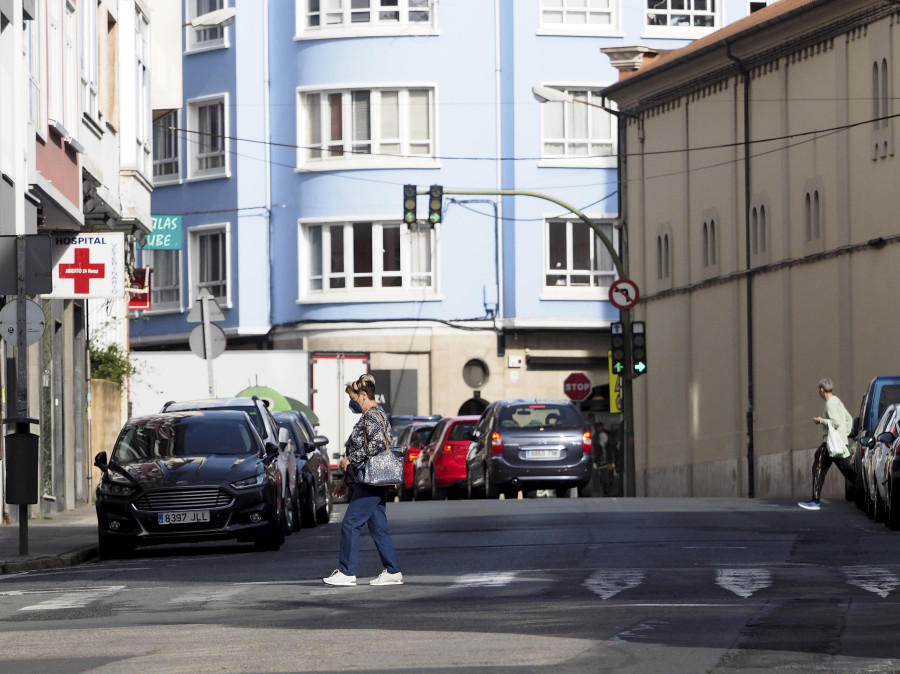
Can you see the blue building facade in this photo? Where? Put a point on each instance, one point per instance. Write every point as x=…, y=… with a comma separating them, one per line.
x=300, y=125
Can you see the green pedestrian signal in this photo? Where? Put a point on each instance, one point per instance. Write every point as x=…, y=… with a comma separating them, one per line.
x=435, y=204
x=617, y=348
x=409, y=204
x=638, y=348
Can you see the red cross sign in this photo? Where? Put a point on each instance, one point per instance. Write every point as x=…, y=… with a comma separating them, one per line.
x=82, y=271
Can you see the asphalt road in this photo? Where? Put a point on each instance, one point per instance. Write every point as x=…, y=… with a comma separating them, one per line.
x=540, y=585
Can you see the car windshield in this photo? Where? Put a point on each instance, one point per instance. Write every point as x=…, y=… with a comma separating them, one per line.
x=420, y=436
x=540, y=415
x=183, y=437
x=461, y=431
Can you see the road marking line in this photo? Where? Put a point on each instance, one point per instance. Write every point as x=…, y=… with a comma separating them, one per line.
x=872, y=579
x=77, y=598
x=743, y=582
x=497, y=579
x=206, y=595
x=610, y=582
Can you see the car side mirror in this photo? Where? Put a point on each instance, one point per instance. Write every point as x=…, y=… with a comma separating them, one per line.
x=867, y=441
x=320, y=441
x=886, y=438
x=284, y=437
x=272, y=451
x=101, y=461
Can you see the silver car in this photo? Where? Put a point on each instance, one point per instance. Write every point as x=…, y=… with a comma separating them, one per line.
x=874, y=460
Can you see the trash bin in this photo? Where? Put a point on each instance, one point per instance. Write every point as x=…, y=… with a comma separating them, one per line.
x=21, y=468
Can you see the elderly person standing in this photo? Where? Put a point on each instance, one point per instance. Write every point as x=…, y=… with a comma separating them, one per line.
x=837, y=416
x=369, y=437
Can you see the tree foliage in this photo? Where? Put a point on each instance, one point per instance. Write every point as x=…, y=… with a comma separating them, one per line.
x=110, y=363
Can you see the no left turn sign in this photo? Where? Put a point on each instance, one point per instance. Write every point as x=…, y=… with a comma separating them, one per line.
x=624, y=293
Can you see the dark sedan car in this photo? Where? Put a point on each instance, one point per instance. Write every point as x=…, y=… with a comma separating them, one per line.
x=314, y=474
x=181, y=477
x=529, y=445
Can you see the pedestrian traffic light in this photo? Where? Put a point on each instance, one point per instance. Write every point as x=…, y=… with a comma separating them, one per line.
x=617, y=348
x=638, y=348
x=409, y=204
x=435, y=204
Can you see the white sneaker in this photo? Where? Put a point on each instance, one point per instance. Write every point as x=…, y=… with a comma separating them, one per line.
x=388, y=578
x=339, y=578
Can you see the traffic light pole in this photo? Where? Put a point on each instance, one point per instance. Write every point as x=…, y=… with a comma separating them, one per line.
x=625, y=318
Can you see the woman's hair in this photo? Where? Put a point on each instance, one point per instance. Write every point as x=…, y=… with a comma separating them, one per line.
x=366, y=383
x=826, y=384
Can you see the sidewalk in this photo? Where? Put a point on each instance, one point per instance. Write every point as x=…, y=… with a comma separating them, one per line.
x=66, y=539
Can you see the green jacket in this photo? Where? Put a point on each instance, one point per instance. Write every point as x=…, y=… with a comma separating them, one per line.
x=836, y=415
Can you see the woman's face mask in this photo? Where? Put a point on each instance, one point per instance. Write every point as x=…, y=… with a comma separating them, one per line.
x=355, y=407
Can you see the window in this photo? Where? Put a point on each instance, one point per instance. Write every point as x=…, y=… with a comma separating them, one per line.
x=207, y=147
x=756, y=5
x=166, y=287
x=882, y=130
x=165, y=149
x=209, y=37
x=367, y=127
x=677, y=16
x=577, y=129
x=209, y=261
x=89, y=58
x=366, y=256
x=664, y=270
x=109, y=67
x=576, y=256
x=54, y=63
x=364, y=16
x=813, y=216
x=70, y=111
x=710, y=254
x=812, y=226
x=34, y=44
x=580, y=16
x=142, y=91
x=758, y=230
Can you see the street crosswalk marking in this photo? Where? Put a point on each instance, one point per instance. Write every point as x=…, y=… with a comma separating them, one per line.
x=744, y=582
x=75, y=598
x=208, y=595
x=872, y=579
x=610, y=582
x=495, y=579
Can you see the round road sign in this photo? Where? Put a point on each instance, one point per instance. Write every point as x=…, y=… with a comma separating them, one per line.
x=217, y=340
x=34, y=322
x=624, y=293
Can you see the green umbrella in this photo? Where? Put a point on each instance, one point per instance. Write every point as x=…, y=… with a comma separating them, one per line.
x=276, y=401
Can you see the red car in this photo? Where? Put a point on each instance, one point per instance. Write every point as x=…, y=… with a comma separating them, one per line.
x=412, y=439
x=442, y=463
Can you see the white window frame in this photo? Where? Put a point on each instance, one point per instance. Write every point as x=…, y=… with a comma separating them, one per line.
x=70, y=85
x=411, y=288
x=163, y=126
x=90, y=41
x=194, y=234
x=602, y=128
x=341, y=19
x=193, y=139
x=55, y=102
x=601, y=276
x=569, y=12
x=148, y=259
x=143, y=113
x=205, y=39
x=36, y=62
x=314, y=152
x=689, y=31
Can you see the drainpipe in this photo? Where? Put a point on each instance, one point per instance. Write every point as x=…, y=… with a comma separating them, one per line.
x=745, y=74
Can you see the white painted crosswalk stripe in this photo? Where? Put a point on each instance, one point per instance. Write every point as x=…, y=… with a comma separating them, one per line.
x=872, y=579
x=494, y=579
x=743, y=582
x=610, y=582
x=71, y=599
x=205, y=595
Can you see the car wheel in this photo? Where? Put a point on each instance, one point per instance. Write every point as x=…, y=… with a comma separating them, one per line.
x=308, y=509
x=287, y=519
x=108, y=549
x=295, y=511
x=437, y=494
x=878, y=515
x=472, y=491
x=323, y=514
x=892, y=518
x=491, y=490
x=564, y=492
x=870, y=505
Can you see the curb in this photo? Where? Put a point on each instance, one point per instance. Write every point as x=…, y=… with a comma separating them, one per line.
x=73, y=558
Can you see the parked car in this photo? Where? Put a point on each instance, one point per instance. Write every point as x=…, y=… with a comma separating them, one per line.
x=881, y=392
x=269, y=431
x=412, y=439
x=314, y=474
x=441, y=465
x=529, y=445
x=181, y=477
x=892, y=486
x=877, y=447
x=401, y=421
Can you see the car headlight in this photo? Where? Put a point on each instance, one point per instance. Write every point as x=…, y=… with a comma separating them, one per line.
x=248, y=482
x=111, y=488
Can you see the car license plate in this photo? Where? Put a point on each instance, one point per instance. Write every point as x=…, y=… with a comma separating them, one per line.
x=542, y=454
x=184, y=517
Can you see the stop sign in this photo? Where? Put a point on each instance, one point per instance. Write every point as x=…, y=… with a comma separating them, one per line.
x=577, y=386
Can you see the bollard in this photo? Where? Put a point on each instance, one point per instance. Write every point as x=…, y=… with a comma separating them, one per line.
x=21, y=468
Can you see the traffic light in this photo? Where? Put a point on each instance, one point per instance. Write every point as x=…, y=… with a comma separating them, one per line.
x=409, y=204
x=638, y=348
x=435, y=204
x=617, y=348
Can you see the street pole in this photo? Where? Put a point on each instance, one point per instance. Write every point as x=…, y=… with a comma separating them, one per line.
x=625, y=318
x=207, y=341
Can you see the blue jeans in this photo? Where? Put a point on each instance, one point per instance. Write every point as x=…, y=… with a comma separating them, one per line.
x=367, y=505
